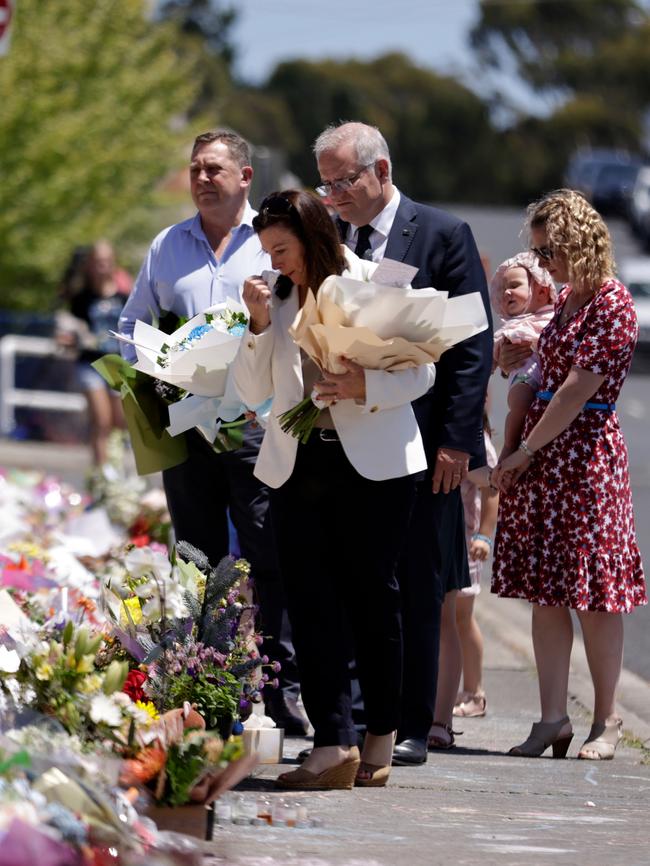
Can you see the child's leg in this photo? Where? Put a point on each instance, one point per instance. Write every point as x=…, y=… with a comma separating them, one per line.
x=450, y=668
x=471, y=641
x=520, y=396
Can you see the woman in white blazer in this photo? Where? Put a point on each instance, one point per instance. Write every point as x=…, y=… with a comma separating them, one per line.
x=349, y=488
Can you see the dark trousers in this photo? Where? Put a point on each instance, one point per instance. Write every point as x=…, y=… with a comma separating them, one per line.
x=434, y=561
x=200, y=492
x=339, y=536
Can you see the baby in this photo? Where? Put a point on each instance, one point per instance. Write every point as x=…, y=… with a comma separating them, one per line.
x=523, y=294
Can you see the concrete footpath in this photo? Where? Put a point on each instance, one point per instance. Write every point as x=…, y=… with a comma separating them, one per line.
x=474, y=803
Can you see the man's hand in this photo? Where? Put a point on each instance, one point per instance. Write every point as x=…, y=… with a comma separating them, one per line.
x=257, y=297
x=451, y=468
x=343, y=386
x=512, y=356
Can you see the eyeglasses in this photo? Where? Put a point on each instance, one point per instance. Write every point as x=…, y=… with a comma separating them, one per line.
x=342, y=184
x=545, y=253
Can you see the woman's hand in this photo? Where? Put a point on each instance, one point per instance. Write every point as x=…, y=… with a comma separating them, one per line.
x=343, y=386
x=507, y=472
x=257, y=297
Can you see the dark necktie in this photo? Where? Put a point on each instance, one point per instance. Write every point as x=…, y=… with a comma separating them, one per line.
x=363, y=241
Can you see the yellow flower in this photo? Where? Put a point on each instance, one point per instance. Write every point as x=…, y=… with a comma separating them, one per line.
x=86, y=665
x=132, y=605
x=148, y=708
x=44, y=671
x=90, y=684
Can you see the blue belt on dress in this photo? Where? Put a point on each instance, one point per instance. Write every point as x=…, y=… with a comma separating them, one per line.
x=605, y=407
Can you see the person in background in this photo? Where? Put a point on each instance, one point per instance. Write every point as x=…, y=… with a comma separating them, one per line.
x=377, y=220
x=461, y=642
x=94, y=290
x=191, y=266
x=565, y=536
x=480, y=504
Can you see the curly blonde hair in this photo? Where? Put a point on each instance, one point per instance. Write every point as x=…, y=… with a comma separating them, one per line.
x=577, y=231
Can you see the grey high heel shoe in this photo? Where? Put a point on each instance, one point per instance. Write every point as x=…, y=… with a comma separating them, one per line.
x=542, y=735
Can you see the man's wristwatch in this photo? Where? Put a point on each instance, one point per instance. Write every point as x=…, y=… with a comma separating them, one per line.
x=523, y=446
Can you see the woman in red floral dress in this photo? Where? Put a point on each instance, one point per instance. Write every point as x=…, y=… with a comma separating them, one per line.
x=565, y=537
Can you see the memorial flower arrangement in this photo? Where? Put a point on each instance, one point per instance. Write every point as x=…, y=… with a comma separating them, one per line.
x=187, y=630
x=381, y=325
x=179, y=383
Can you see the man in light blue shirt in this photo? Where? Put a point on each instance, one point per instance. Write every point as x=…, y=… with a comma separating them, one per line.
x=189, y=267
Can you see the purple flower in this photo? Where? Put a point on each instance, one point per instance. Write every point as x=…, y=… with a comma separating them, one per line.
x=276, y=667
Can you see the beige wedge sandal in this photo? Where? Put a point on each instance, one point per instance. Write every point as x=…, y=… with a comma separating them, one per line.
x=602, y=741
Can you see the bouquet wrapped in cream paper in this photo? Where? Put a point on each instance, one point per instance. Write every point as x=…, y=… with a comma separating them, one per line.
x=380, y=327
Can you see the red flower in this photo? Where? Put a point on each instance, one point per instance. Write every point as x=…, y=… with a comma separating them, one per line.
x=140, y=540
x=133, y=685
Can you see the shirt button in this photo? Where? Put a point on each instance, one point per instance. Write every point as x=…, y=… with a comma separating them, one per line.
x=374, y=409
x=250, y=344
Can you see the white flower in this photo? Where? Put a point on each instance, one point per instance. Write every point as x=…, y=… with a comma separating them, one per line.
x=175, y=607
x=143, y=561
x=9, y=660
x=103, y=709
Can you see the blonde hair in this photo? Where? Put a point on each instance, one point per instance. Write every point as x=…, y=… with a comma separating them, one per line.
x=577, y=231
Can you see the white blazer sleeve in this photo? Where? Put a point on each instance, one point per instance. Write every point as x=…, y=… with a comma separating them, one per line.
x=386, y=390
x=250, y=370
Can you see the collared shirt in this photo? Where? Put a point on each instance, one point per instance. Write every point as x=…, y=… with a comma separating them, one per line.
x=381, y=224
x=182, y=275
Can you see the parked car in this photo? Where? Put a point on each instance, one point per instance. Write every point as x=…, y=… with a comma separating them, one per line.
x=606, y=177
x=639, y=206
x=635, y=274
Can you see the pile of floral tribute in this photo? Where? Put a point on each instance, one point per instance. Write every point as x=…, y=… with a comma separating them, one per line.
x=125, y=674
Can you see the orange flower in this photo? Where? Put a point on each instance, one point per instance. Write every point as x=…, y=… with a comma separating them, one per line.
x=144, y=767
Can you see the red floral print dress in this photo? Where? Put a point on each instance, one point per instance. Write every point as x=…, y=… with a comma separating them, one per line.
x=566, y=534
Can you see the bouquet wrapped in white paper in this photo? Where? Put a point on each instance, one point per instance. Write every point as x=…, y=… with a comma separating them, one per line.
x=195, y=359
x=380, y=327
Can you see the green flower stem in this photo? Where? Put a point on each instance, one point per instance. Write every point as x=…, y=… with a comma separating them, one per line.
x=300, y=420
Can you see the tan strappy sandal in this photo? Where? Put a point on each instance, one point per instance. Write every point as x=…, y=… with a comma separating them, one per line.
x=470, y=705
x=602, y=741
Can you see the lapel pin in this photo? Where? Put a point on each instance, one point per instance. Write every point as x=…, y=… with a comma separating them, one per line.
x=406, y=232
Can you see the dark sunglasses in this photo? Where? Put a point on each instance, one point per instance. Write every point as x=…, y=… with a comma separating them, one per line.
x=545, y=253
x=276, y=205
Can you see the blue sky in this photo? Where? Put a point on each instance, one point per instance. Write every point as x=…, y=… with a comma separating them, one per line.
x=432, y=32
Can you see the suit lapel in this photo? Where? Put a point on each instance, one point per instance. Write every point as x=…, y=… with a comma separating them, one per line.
x=403, y=231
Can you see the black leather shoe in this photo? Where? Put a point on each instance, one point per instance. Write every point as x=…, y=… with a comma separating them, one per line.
x=410, y=752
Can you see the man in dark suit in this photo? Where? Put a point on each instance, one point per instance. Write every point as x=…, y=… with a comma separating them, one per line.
x=377, y=221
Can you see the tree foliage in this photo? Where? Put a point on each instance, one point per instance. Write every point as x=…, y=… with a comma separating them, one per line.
x=556, y=45
x=93, y=95
x=439, y=132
